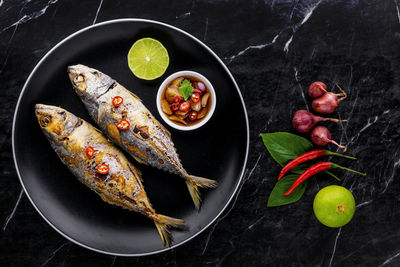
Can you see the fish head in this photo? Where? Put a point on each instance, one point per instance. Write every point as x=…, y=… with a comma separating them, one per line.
x=89, y=83
x=56, y=123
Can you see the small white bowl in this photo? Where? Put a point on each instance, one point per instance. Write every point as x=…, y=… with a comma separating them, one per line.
x=190, y=74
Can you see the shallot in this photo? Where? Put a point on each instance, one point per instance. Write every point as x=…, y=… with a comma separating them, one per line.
x=321, y=136
x=317, y=89
x=304, y=121
x=328, y=102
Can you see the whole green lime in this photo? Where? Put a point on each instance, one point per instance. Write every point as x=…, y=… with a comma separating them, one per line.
x=334, y=206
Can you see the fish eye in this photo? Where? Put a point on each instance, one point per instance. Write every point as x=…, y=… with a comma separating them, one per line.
x=79, y=82
x=78, y=79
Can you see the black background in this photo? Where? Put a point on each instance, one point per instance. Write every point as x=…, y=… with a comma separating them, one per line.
x=274, y=49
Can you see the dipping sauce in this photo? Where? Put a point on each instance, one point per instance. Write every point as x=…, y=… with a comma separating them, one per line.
x=190, y=110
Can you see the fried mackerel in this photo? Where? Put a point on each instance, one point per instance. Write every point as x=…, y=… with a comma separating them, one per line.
x=71, y=137
x=145, y=139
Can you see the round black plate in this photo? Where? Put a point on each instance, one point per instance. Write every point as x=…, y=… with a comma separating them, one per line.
x=218, y=150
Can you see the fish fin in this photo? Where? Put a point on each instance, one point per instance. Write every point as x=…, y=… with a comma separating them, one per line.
x=136, y=172
x=193, y=183
x=163, y=223
x=97, y=130
x=135, y=96
x=139, y=160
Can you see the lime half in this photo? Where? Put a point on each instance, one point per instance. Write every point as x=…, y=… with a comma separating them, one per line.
x=148, y=59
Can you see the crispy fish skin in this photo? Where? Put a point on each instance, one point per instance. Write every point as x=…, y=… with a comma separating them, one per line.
x=69, y=136
x=146, y=140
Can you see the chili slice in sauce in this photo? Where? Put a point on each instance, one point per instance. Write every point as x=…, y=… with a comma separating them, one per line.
x=175, y=106
x=123, y=125
x=89, y=151
x=184, y=106
x=103, y=169
x=177, y=99
x=195, y=98
x=117, y=101
x=197, y=91
x=192, y=115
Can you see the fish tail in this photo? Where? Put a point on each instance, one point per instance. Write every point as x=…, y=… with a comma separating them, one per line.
x=163, y=223
x=193, y=183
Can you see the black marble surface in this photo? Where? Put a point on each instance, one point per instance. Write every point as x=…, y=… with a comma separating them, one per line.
x=274, y=49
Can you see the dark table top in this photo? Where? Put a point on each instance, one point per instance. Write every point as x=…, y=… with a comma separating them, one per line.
x=274, y=49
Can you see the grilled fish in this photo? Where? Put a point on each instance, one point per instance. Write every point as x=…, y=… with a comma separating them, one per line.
x=71, y=137
x=146, y=140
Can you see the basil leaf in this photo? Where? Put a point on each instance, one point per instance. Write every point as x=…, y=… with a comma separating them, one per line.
x=284, y=146
x=185, y=89
x=276, y=198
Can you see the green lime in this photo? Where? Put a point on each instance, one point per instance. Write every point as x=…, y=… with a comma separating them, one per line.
x=334, y=206
x=148, y=59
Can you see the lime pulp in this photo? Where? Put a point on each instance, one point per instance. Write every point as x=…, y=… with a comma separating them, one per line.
x=148, y=59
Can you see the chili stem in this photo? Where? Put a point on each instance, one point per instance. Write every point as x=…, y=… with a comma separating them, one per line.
x=330, y=153
x=333, y=165
x=334, y=176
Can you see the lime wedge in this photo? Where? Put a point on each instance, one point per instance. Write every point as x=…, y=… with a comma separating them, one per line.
x=148, y=59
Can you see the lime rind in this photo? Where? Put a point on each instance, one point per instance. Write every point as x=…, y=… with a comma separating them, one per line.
x=148, y=59
x=327, y=203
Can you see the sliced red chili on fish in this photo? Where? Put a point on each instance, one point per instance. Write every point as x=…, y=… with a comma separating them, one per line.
x=89, y=151
x=193, y=115
x=103, y=169
x=184, y=106
x=175, y=106
x=177, y=99
x=195, y=98
x=117, y=101
x=123, y=125
x=197, y=91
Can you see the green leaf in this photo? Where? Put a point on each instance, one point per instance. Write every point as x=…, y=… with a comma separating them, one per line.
x=276, y=198
x=185, y=89
x=284, y=146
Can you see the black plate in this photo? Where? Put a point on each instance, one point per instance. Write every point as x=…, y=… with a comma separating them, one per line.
x=218, y=150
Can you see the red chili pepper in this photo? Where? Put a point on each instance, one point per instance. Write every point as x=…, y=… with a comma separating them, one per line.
x=197, y=91
x=184, y=106
x=117, y=101
x=123, y=125
x=317, y=168
x=195, y=98
x=313, y=154
x=89, y=151
x=177, y=99
x=175, y=106
x=103, y=169
x=193, y=115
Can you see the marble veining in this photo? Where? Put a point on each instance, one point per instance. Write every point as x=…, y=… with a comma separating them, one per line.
x=397, y=8
x=97, y=12
x=30, y=15
x=274, y=49
x=334, y=246
x=9, y=217
x=54, y=253
x=386, y=262
x=261, y=46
